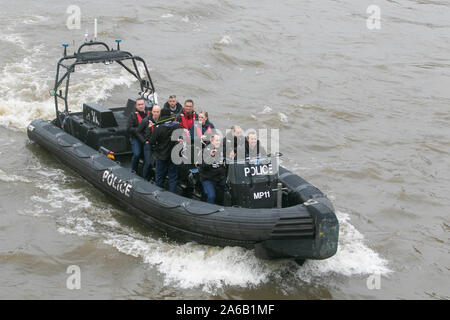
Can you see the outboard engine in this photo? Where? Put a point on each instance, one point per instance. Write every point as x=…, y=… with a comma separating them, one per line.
x=252, y=182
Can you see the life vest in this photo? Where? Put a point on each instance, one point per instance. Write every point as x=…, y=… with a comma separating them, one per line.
x=187, y=122
x=139, y=117
x=199, y=130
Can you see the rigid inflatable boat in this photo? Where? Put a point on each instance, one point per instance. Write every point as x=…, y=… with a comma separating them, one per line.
x=274, y=212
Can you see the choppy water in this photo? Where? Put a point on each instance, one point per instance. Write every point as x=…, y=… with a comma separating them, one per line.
x=363, y=115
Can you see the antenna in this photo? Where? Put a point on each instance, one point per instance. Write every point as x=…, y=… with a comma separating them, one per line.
x=95, y=29
x=86, y=34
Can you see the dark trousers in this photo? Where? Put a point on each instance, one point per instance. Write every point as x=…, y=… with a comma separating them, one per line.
x=164, y=167
x=136, y=147
x=147, y=161
x=209, y=187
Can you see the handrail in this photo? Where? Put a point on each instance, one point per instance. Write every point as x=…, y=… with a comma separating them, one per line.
x=145, y=84
x=93, y=43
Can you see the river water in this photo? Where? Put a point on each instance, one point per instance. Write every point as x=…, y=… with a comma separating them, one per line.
x=363, y=115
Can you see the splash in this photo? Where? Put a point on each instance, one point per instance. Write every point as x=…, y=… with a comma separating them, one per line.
x=283, y=117
x=226, y=40
x=267, y=110
x=211, y=269
x=353, y=257
x=35, y=19
x=192, y=265
x=4, y=177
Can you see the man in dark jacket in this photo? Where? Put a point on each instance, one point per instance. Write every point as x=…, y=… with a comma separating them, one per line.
x=133, y=122
x=212, y=170
x=162, y=144
x=143, y=133
x=252, y=147
x=232, y=142
x=173, y=106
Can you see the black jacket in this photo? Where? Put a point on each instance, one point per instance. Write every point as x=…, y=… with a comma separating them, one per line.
x=212, y=168
x=178, y=108
x=161, y=139
x=133, y=122
x=143, y=132
x=232, y=143
x=257, y=151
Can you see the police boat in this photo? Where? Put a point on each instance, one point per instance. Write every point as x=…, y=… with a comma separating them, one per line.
x=266, y=207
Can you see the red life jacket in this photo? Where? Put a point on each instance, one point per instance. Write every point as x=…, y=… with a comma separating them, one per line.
x=138, y=115
x=199, y=130
x=187, y=122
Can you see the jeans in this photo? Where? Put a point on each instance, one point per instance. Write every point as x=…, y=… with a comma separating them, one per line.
x=147, y=161
x=164, y=167
x=136, y=147
x=209, y=187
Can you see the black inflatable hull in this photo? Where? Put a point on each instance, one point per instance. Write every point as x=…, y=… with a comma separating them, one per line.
x=305, y=231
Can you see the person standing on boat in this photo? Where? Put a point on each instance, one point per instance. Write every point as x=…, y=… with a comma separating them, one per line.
x=233, y=141
x=212, y=170
x=162, y=145
x=173, y=106
x=187, y=117
x=201, y=129
x=144, y=132
x=252, y=146
x=134, y=120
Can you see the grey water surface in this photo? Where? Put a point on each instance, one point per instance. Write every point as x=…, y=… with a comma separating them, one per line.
x=363, y=115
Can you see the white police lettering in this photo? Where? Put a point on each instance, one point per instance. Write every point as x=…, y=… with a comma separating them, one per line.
x=260, y=170
x=260, y=195
x=118, y=184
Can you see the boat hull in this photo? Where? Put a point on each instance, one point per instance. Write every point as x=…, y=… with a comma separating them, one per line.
x=305, y=231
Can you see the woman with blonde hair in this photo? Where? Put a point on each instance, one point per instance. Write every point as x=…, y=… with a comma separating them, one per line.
x=202, y=129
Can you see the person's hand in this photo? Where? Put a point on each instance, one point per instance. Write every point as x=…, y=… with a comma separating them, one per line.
x=232, y=154
x=203, y=137
x=180, y=140
x=213, y=152
x=150, y=124
x=146, y=142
